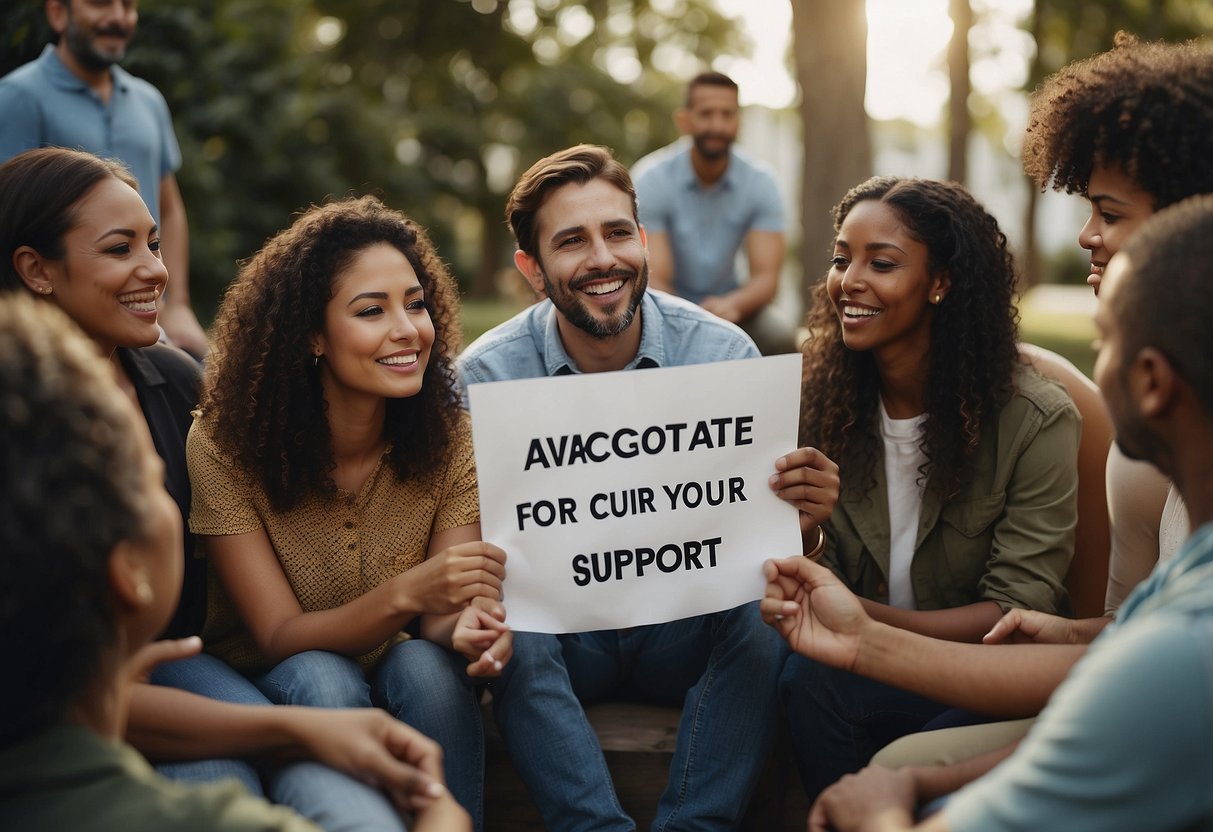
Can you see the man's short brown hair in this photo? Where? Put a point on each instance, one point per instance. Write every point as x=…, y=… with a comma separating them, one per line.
x=581, y=164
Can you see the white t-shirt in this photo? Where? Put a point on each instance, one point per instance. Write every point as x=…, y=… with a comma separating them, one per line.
x=903, y=460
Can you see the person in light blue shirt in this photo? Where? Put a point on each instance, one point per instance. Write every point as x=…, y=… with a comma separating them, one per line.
x=76, y=96
x=702, y=202
x=580, y=244
x=1125, y=741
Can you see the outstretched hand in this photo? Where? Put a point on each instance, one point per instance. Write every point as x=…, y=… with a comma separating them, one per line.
x=818, y=616
x=808, y=479
x=1020, y=626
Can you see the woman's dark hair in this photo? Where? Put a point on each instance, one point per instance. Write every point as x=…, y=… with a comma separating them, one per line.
x=263, y=395
x=72, y=475
x=1146, y=108
x=39, y=192
x=973, y=339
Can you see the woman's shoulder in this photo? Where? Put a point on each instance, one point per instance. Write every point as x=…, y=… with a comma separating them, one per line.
x=1033, y=391
x=163, y=363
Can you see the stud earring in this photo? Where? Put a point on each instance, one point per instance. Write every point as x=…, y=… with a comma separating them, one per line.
x=316, y=360
x=937, y=299
x=46, y=290
x=144, y=593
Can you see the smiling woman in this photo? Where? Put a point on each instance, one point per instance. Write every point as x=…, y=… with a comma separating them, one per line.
x=334, y=484
x=958, y=464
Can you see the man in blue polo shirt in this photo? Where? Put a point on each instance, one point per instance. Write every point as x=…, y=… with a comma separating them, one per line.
x=702, y=201
x=75, y=95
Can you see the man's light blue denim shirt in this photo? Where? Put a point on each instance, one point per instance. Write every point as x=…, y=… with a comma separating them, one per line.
x=674, y=333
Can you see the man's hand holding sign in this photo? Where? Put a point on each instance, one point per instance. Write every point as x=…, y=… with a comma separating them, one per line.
x=635, y=498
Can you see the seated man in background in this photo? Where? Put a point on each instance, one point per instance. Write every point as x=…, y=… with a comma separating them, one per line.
x=701, y=201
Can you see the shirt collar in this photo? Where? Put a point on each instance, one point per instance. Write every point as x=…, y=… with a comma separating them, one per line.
x=64, y=78
x=690, y=181
x=651, y=353
x=142, y=371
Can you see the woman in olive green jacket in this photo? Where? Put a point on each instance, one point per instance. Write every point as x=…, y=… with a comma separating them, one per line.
x=958, y=462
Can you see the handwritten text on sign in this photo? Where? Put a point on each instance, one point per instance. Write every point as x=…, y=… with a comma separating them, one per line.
x=635, y=497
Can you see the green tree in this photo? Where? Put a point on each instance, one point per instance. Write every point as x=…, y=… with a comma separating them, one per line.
x=436, y=106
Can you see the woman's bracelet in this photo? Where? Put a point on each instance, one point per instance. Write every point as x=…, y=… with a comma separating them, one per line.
x=820, y=546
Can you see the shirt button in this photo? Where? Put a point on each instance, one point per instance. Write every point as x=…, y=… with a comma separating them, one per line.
x=882, y=589
x=352, y=546
x=349, y=524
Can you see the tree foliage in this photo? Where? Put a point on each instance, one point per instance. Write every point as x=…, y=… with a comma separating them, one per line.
x=436, y=106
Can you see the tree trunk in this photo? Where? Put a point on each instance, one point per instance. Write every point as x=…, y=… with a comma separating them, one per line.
x=959, y=121
x=1030, y=267
x=830, y=46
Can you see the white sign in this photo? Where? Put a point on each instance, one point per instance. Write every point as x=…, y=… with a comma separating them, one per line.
x=635, y=497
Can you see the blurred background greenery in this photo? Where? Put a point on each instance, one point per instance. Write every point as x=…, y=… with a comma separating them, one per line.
x=438, y=105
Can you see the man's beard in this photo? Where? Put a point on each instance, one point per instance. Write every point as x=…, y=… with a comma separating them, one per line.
x=84, y=49
x=713, y=150
x=576, y=312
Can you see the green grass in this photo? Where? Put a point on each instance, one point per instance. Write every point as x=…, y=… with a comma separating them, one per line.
x=1069, y=334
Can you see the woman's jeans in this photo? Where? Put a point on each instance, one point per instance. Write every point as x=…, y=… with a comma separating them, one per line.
x=332, y=800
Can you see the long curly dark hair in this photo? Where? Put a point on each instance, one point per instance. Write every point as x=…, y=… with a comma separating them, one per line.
x=1145, y=107
x=263, y=397
x=973, y=339
x=73, y=477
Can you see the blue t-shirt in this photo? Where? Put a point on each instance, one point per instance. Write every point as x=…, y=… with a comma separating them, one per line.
x=706, y=227
x=1126, y=742
x=42, y=104
x=674, y=333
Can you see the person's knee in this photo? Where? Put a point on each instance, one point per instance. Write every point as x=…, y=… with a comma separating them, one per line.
x=421, y=671
x=317, y=678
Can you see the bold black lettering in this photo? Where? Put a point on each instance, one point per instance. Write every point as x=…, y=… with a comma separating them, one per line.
x=628, y=450
x=623, y=557
x=712, y=543
x=644, y=557
x=673, y=495
x=670, y=547
x=535, y=456
x=735, y=486
x=589, y=447
x=691, y=551
x=581, y=575
x=557, y=451
x=742, y=426
x=721, y=424
x=594, y=510
x=702, y=436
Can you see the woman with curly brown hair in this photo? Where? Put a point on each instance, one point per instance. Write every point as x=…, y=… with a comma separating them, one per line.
x=1131, y=130
x=334, y=482
x=957, y=461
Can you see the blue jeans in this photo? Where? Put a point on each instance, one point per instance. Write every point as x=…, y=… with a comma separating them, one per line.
x=721, y=668
x=839, y=720
x=416, y=681
x=330, y=799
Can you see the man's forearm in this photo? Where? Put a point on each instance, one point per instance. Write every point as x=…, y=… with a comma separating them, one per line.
x=1012, y=680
